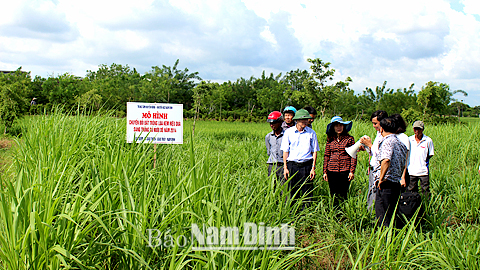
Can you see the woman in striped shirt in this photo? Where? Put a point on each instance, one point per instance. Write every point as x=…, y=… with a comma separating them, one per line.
x=338, y=166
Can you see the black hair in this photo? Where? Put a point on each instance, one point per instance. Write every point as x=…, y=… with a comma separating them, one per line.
x=379, y=115
x=311, y=110
x=401, y=125
x=332, y=135
x=389, y=124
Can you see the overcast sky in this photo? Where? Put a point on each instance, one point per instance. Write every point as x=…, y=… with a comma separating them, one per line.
x=401, y=42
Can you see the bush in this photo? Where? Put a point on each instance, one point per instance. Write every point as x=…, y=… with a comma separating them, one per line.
x=411, y=115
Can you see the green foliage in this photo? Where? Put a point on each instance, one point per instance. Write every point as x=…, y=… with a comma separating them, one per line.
x=10, y=106
x=399, y=100
x=80, y=197
x=91, y=100
x=111, y=87
x=411, y=115
x=434, y=98
x=14, y=96
x=63, y=90
x=116, y=84
x=270, y=92
x=168, y=85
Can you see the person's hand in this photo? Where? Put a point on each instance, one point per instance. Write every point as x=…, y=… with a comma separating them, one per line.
x=379, y=184
x=350, y=176
x=361, y=148
x=403, y=183
x=325, y=177
x=312, y=173
x=286, y=173
x=366, y=141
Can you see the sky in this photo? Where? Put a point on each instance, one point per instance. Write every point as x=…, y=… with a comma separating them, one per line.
x=371, y=41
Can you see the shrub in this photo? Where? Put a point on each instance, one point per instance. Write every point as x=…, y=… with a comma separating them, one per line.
x=411, y=115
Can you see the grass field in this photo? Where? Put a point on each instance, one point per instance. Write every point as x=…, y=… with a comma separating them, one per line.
x=77, y=196
x=470, y=120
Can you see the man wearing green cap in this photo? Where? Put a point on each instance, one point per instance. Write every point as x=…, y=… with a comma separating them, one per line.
x=300, y=147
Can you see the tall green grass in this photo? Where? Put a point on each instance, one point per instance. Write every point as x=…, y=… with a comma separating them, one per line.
x=78, y=196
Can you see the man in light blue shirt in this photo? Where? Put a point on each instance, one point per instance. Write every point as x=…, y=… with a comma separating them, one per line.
x=300, y=147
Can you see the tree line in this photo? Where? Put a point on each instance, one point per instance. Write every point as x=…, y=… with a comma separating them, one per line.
x=247, y=99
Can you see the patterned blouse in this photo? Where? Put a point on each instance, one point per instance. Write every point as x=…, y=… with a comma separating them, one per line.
x=393, y=149
x=336, y=158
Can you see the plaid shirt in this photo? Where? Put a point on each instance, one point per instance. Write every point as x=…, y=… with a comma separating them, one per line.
x=336, y=159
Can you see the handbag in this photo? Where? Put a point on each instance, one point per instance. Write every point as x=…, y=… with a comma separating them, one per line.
x=408, y=204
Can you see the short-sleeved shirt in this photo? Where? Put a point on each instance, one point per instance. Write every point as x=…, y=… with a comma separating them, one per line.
x=374, y=150
x=391, y=148
x=299, y=145
x=406, y=141
x=419, y=155
x=273, y=144
x=336, y=159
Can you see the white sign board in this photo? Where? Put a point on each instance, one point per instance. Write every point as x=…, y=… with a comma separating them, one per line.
x=154, y=123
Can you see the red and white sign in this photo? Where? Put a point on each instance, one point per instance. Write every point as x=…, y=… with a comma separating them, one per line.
x=154, y=123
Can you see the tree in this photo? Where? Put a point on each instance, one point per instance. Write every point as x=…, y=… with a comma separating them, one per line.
x=91, y=100
x=293, y=80
x=116, y=84
x=434, y=98
x=156, y=87
x=374, y=97
x=181, y=83
x=345, y=102
x=397, y=101
x=317, y=94
x=15, y=95
x=459, y=105
x=63, y=89
x=269, y=92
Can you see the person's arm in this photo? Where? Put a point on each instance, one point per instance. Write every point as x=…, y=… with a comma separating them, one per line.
x=286, y=173
x=267, y=144
x=312, y=172
x=385, y=164
x=353, y=161
x=403, y=182
x=326, y=158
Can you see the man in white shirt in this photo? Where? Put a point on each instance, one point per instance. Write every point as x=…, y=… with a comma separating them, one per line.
x=421, y=150
x=300, y=147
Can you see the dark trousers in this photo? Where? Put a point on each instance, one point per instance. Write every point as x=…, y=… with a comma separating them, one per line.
x=386, y=200
x=278, y=169
x=424, y=183
x=300, y=183
x=339, y=185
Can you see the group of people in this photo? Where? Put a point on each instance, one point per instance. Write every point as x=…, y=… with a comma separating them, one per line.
x=396, y=160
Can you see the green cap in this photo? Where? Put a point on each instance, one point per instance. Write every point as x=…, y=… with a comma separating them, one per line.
x=302, y=114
